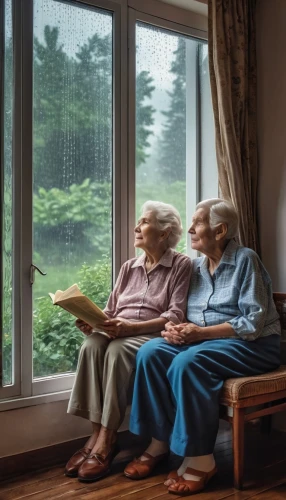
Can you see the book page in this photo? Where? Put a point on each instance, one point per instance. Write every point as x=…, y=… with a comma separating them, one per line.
x=72, y=291
x=59, y=295
x=83, y=308
x=52, y=295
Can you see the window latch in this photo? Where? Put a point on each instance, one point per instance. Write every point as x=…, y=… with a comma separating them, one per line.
x=34, y=268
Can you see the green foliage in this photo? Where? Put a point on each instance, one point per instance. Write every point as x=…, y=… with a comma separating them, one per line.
x=72, y=111
x=144, y=115
x=82, y=214
x=173, y=141
x=56, y=339
x=73, y=116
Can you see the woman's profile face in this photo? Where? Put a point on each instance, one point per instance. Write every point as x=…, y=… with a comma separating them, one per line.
x=203, y=237
x=147, y=235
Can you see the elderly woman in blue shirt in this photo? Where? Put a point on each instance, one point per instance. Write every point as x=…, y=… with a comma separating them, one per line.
x=233, y=331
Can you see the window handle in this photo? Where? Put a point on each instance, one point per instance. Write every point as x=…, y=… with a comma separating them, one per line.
x=34, y=268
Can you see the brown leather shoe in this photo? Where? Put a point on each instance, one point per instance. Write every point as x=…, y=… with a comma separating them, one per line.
x=138, y=469
x=76, y=461
x=184, y=487
x=96, y=466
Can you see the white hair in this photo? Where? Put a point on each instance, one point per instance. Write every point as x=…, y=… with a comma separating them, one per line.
x=221, y=212
x=167, y=217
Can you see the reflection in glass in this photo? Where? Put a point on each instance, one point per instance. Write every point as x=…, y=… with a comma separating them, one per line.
x=8, y=198
x=72, y=161
x=165, y=123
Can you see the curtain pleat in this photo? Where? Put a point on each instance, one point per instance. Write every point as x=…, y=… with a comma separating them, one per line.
x=232, y=61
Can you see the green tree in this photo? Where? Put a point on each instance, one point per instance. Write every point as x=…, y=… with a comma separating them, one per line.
x=72, y=112
x=172, y=162
x=73, y=126
x=144, y=115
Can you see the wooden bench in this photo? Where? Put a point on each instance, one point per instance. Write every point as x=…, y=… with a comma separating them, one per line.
x=245, y=394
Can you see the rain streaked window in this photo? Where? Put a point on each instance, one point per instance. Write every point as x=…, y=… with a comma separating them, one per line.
x=72, y=165
x=172, y=103
x=8, y=198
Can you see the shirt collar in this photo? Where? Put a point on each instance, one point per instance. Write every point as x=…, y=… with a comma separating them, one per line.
x=228, y=256
x=166, y=259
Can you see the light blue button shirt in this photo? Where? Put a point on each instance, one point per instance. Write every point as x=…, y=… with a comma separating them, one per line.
x=239, y=293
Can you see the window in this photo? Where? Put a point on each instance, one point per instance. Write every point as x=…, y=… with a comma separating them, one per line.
x=174, y=127
x=86, y=143
x=72, y=171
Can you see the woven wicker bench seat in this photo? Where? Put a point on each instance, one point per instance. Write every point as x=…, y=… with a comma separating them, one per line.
x=235, y=389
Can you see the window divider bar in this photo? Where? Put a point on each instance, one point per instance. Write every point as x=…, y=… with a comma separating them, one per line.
x=26, y=204
x=131, y=128
x=120, y=107
x=192, y=153
x=199, y=125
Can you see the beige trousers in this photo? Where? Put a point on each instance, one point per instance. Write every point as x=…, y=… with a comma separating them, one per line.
x=103, y=378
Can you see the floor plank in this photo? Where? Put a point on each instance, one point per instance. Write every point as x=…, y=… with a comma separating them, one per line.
x=265, y=476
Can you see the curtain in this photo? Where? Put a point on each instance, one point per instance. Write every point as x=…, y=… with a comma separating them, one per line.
x=232, y=60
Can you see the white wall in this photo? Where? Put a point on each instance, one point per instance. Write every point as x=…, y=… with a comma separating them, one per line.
x=38, y=426
x=43, y=425
x=271, y=48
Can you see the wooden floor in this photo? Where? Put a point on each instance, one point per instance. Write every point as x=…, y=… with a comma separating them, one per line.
x=265, y=476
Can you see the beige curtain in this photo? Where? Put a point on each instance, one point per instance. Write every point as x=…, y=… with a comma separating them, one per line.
x=232, y=61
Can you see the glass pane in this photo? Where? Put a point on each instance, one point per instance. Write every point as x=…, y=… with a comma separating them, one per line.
x=209, y=174
x=72, y=160
x=8, y=198
x=168, y=107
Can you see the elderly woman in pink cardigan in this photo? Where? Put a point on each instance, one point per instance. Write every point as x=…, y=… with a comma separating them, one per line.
x=150, y=291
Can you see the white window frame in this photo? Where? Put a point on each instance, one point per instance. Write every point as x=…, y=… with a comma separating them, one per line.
x=25, y=391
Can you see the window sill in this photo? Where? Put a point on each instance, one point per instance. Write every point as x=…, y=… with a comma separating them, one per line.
x=12, y=404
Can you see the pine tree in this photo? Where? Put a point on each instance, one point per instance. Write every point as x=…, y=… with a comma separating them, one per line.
x=73, y=112
x=52, y=71
x=144, y=115
x=172, y=162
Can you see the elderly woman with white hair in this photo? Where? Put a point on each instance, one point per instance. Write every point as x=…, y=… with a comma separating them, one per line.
x=232, y=331
x=150, y=291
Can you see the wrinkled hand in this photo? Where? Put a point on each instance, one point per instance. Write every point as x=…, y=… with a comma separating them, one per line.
x=183, y=334
x=118, y=327
x=83, y=327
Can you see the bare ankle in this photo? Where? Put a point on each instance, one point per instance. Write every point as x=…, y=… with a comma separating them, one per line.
x=105, y=441
x=94, y=436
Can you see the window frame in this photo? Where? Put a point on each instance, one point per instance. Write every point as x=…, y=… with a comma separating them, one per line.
x=26, y=391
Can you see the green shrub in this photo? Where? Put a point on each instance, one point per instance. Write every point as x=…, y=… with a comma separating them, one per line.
x=79, y=215
x=56, y=339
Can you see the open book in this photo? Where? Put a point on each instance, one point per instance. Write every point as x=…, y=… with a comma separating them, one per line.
x=73, y=301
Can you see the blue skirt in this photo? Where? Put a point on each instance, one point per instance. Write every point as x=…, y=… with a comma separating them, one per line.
x=177, y=388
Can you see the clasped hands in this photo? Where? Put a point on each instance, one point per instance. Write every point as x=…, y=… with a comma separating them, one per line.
x=183, y=334
x=114, y=328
